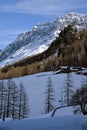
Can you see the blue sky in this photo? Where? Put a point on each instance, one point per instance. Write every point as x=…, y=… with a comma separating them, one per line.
x=17, y=16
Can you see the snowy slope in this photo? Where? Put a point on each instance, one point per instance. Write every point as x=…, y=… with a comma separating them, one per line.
x=50, y=123
x=63, y=119
x=35, y=87
x=39, y=38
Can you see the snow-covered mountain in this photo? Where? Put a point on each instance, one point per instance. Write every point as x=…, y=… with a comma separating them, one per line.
x=39, y=38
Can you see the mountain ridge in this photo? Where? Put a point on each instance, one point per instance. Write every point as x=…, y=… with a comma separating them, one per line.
x=39, y=38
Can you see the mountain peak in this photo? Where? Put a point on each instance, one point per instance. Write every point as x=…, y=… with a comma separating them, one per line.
x=40, y=37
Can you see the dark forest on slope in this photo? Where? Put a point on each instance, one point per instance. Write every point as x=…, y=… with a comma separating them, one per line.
x=70, y=49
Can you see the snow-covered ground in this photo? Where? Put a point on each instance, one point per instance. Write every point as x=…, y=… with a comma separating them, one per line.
x=47, y=123
x=64, y=119
x=36, y=85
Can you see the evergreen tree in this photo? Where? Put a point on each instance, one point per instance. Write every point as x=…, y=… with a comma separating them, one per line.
x=80, y=98
x=26, y=108
x=23, y=103
x=14, y=104
x=49, y=96
x=2, y=98
x=68, y=89
x=9, y=86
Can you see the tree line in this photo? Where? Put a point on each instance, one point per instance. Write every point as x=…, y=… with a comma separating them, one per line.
x=13, y=100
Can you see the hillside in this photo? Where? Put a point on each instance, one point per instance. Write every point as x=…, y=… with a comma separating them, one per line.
x=69, y=49
x=39, y=38
x=35, y=87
